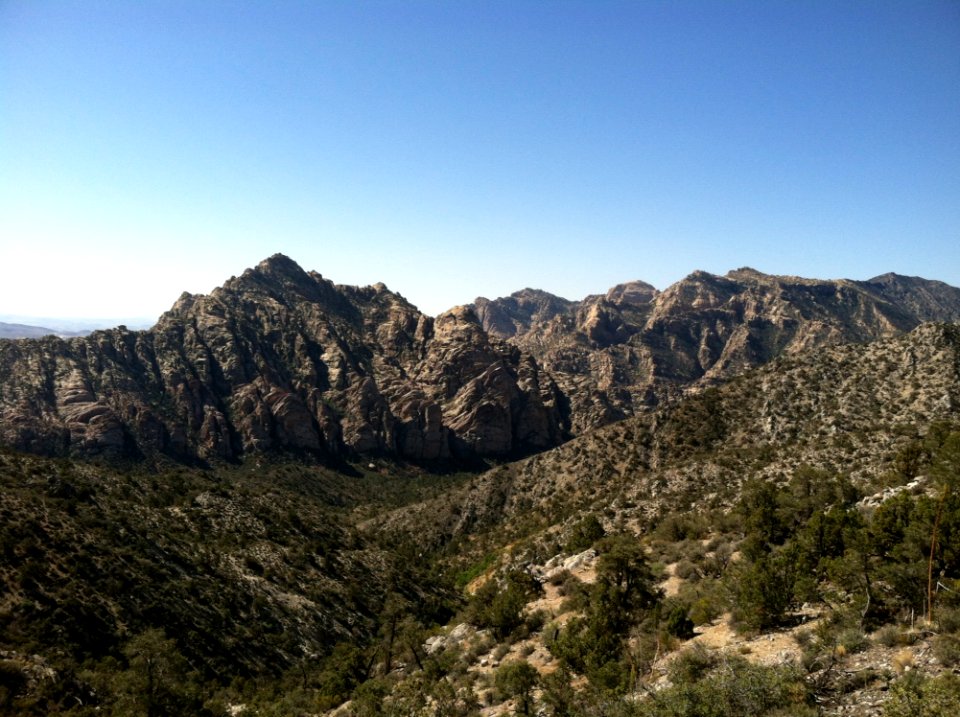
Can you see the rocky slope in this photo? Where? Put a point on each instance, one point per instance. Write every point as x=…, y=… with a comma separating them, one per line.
x=848, y=409
x=252, y=572
x=280, y=358
x=674, y=480
x=623, y=352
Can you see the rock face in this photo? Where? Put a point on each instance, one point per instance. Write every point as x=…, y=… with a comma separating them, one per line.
x=280, y=358
x=283, y=359
x=855, y=410
x=621, y=353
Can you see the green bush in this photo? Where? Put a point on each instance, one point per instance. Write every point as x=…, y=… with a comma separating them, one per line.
x=763, y=590
x=946, y=648
x=916, y=696
x=678, y=622
x=686, y=570
x=584, y=534
x=499, y=607
x=892, y=636
x=576, y=593
x=692, y=664
x=730, y=686
x=517, y=680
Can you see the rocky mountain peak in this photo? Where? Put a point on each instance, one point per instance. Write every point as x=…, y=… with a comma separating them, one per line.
x=893, y=278
x=462, y=314
x=280, y=272
x=280, y=265
x=281, y=359
x=747, y=273
x=632, y=292
x=515, y=314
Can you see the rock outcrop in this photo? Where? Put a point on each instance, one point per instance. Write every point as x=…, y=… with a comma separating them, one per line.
x=622, y=353
x=281, y=359
x=856, y=410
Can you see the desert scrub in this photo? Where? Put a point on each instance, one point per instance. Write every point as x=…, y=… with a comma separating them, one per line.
x=946, y=648
x=576, y=594
x=708, y=599
x=687, y=570
x=893, y=635
x=517, y=680
x=916, y=696
x=584, y=534
x=707, y=687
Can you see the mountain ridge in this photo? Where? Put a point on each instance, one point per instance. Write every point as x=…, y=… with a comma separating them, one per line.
x=261, y=558
x=283, y=359
x=619, y=354
x=847, y=409
x=280, y=358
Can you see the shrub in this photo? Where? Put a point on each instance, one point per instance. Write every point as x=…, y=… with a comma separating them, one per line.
x=946, y=648
x=916, y=696
x=500, y=608
x=678, y=622
x=853, y=640
x=888, y=636
x=731, y=686
x=893, y=635
x=708, y=599
x=558, y=694
x=692, y=664
x=584, y=534
x=949, y=619
x=686, y=570
x=535, y=621
x=763, y=590
x=517, y=680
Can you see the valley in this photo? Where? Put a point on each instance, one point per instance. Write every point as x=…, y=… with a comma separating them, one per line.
x=293, y=497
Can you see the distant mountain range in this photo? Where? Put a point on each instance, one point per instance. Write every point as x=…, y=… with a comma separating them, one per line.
x=28, y=327
x=25, y=331
x=283, y=359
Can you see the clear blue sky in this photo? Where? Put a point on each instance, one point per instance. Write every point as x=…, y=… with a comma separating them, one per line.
x=453, y=148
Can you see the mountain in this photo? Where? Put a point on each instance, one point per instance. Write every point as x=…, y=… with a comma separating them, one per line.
x=621, y=353
x=25, y=331
x=275, y=586
x=280, y=358
x=848, y=409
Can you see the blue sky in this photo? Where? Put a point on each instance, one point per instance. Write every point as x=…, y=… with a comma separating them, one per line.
x=453, y=148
